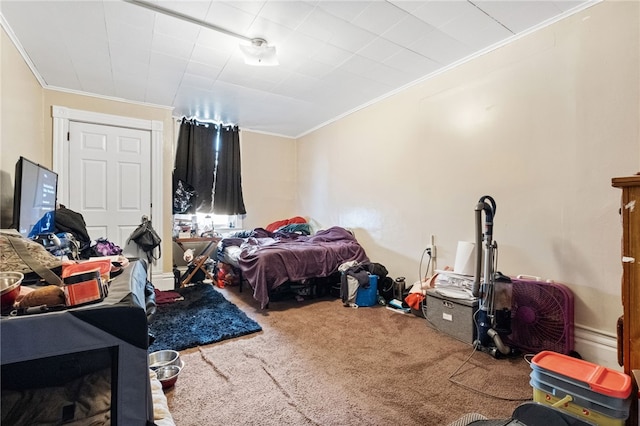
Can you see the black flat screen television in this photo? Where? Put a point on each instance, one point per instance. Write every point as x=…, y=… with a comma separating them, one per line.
x=35, y=193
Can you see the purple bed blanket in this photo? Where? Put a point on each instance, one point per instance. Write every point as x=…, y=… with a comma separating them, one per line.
x=267, y=263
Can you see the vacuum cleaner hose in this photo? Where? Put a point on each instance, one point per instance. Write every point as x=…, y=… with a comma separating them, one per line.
x=504, y=349
x=488, y=205
x=478, y=274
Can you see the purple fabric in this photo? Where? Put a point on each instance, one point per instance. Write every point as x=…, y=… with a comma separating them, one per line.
x=269, y=262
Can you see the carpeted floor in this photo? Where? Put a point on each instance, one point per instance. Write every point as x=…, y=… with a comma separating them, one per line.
x=319, y=363
x=203, y=317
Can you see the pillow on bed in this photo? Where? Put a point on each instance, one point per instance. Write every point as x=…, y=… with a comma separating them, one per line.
x=272, y=227
x=296, y=228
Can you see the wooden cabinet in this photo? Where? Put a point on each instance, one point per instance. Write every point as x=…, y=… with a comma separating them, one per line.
x=629, y=337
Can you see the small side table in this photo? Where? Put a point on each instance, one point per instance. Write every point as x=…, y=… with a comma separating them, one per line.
x=200, y=259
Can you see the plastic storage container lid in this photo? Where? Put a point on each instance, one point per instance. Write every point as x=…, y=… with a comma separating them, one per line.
x=596, y=377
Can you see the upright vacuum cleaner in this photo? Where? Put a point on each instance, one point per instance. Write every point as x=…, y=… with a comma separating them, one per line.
x=493, y=318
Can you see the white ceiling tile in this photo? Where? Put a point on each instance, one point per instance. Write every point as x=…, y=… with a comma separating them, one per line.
x=411, y=63
x=122, y=32
x=197, y=81
x=379, y=49
x=249, y=6
x=244, y=76
x=172, y=46
x=349, y=37
x=319, y=25
x=474, y=28
x=129, y=59
x=441, y=48
x=230, y=18
x=407, y=5
x=217, y=41
x=387, y=75
x=195, y=9
x=127, y=87
x=357, y=64
x=129, y=14
x=299, y=47
x=286, y=13
x=89, y=49
x=175, y=28
x=407, y=30
x=204, y=70
x=335, y=55
x=210, y=56
x=85, y=17
x=379, y=16
x=313, y=68
x=439, y=13
x=160, y=92
x=347, y=10
x=273, y=32
x=296, y=85
x=331, y=55
x=161, y=64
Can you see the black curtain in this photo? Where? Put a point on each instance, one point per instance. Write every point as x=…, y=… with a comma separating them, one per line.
x=228, y=177
x=208, y=154
x=195, y=161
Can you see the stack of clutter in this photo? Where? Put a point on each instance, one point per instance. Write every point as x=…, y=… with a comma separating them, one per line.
x=456, y=286
x=585, y=390
x=456, y=283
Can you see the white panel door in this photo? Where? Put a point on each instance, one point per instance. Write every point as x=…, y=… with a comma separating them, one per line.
x=110, y=179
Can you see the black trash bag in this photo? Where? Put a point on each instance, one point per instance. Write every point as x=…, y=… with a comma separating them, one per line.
x=183, y=197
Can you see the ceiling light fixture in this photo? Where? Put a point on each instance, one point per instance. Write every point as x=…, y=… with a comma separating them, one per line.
x=257, y=53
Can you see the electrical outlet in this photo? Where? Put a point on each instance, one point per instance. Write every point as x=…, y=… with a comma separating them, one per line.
x=432, y=250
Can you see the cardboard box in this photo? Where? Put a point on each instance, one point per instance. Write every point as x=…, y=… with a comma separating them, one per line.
x=452, y=316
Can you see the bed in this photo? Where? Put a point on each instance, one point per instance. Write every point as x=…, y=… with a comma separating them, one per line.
x=267, y=260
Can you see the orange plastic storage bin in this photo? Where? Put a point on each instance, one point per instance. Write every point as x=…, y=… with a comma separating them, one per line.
x=591, y=391
x=582, y=373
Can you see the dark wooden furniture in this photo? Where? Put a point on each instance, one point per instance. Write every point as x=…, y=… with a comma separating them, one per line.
x=200, y=258
x=629, y=338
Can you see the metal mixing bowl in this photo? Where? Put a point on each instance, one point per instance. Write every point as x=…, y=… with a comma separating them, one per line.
x=9, y=288
x=164, y=358
x=168, y=375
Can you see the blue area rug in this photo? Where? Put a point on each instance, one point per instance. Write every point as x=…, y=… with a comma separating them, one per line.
x=203, y=317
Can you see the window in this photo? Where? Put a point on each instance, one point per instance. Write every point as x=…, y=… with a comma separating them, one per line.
x=205, y=223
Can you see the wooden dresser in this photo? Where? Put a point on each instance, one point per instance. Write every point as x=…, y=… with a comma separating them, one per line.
x=629, y=335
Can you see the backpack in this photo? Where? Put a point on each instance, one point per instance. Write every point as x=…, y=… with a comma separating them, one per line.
x=147, y=239
x=73, y=223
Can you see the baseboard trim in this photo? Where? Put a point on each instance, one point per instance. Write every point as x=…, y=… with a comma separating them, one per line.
x=596, y=346
x=162, y=280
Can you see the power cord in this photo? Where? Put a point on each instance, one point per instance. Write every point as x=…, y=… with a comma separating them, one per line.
x=427, y=251
x=473, y=351
x=452, y=380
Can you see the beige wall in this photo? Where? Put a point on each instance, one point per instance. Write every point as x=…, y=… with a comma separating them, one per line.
x=268, y=178
x=21, y=122
x=541, y=124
